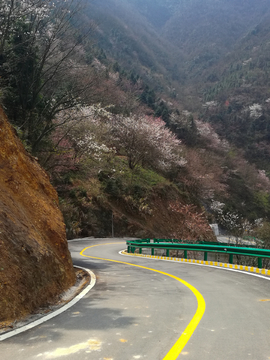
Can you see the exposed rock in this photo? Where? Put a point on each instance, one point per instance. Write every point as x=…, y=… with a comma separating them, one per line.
x=35, y=264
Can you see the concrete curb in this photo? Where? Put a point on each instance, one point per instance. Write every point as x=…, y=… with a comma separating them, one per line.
x=249, y=269
x=59, y=311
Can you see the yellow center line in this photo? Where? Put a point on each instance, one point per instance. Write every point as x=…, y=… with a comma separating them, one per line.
x=189, y=330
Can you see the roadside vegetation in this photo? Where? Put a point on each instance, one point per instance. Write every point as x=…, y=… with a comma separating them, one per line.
x=130, y=143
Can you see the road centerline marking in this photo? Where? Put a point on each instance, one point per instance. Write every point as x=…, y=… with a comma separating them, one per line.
x=177, y=348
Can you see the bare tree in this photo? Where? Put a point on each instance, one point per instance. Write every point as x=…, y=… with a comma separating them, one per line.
x=41, y=64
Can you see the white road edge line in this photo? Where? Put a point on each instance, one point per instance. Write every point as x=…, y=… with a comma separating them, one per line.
x=212, y=266
x=55, y=313
x=82, y=239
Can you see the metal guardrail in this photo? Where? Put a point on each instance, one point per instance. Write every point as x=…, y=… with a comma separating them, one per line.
x=205, y=247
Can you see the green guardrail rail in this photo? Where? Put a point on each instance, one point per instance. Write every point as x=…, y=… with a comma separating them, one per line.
x=205, y=247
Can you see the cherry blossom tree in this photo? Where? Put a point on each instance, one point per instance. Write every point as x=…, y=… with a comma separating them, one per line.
x=210, y=137
x=78, y=138
x=193, y=219
x=95, y=132
x=146, y=140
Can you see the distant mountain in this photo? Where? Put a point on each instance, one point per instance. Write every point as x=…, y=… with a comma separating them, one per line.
x=126, y=36
x=239, y=85
x=193, y=25
x=212, y=25
x=171, y=41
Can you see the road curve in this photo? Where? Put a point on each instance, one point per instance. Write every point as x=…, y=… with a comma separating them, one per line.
x=135, y=313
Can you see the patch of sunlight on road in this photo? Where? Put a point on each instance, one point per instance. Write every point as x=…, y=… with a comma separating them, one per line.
x=90, y=345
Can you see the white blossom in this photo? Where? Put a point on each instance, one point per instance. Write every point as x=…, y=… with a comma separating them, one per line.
x=210, y=104
x=206, y=131
x=146, y=139
x=246, y=62
x=255, y=111
x=217, y=206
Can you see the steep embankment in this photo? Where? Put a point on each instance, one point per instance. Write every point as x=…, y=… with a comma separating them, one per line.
x=138, y=202
x=35, y=264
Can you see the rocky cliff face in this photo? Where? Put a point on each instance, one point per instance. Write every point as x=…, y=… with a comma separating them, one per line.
x=35, y=264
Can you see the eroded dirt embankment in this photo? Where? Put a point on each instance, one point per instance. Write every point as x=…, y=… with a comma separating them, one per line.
x=35, y=264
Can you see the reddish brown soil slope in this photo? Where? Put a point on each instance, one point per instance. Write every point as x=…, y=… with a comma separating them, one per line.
x=35, y=264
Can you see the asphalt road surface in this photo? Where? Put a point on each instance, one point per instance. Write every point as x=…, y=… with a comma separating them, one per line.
x=136, y=313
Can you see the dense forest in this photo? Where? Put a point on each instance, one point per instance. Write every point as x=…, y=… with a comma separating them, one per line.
x=152, y=113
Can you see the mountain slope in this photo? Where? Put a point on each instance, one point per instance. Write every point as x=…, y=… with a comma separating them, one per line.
x=241, y=94
x=174, y=44
x=126, y=37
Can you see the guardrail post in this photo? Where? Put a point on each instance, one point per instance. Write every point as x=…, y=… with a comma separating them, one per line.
x=185, y=254
x=231, y=259
x=205, y=256
x=168, y=252
x=128, y=249
x=259, y=262
x=140, y=250
x=153, y=251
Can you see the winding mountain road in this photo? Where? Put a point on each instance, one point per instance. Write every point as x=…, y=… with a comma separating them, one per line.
x=145, y=310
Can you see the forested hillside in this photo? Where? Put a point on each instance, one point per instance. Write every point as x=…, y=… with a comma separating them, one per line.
x=151, y=116
x=240, y=95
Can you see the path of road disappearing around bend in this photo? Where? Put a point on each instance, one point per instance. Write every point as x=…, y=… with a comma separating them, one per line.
x=137, y=313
